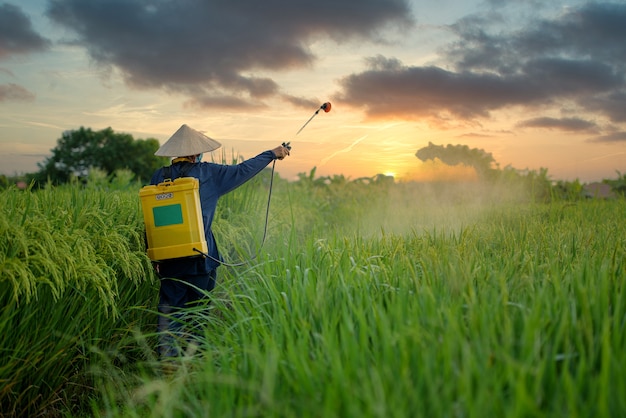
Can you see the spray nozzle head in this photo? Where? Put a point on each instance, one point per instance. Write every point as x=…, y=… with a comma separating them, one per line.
x=287, y=145
x=326, y=107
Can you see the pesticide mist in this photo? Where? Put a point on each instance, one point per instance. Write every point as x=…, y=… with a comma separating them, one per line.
x=418, y=208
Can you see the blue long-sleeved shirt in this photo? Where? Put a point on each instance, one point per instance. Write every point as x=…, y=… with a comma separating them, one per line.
x=215, y=180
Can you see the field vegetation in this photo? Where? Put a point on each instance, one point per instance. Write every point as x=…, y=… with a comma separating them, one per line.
x=367, y=298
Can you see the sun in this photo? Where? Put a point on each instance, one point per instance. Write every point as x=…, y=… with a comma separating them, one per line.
x=390, y=174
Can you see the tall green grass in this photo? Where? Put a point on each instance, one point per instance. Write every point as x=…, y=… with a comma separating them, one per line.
x=73, y=276
x=77, y=286
x=513, y=310
x=367, y=299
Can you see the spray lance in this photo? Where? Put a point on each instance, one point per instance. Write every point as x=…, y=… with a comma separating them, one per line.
x=326, y=108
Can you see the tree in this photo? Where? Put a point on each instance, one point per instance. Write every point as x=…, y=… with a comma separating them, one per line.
x=4, y=182
x=80, y=150
x=618, y=185
x=459, y=154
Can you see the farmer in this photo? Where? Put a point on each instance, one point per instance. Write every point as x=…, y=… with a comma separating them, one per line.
x=188, y=280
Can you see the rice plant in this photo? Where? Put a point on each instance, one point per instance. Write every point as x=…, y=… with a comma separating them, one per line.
x=368, y=299
x=73, y=273
x=516, y=310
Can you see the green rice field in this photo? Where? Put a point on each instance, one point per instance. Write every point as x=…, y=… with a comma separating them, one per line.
x=367, y=299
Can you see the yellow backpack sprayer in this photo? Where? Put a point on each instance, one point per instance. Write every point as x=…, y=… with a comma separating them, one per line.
x=173, y=216
x=173, y=219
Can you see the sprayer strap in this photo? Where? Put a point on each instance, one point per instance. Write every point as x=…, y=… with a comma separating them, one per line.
x=167, y=171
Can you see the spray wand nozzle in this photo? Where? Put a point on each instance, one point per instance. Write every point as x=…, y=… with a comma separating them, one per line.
x=325, y=107
x=287, y=145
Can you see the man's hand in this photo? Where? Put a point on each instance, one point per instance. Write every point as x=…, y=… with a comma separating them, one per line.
x=281, y=152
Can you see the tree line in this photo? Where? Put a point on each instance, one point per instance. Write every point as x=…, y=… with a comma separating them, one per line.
x=79, y=151
x=119, y=157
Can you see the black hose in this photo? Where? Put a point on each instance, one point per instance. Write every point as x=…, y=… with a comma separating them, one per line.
x=267, y=214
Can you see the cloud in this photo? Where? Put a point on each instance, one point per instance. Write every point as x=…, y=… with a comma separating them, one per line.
x=502, y=3
x=391, y=89
x=563, y=124
x=594, y=30
x=301, y=101
x=213, y=101
x=212, y=47
x=613, y=105
x=475, y=135
x=576, y=60
x=610, y=138
x=14, y=92
x=16, y=33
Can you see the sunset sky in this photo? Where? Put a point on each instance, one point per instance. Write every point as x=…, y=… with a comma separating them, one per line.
x=536, y=83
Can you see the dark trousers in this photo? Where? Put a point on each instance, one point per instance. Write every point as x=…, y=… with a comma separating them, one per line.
x=176, y=294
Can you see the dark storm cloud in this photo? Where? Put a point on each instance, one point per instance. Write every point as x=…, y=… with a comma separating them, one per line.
x=578, y=58
x=213, y=47
x=13, y=92
x=16, y=33
x=563, y=124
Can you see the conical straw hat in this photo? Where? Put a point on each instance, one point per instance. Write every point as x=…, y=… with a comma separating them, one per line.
x=187, y=141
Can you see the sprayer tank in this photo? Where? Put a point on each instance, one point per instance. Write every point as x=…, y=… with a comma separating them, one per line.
x=173, y=219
